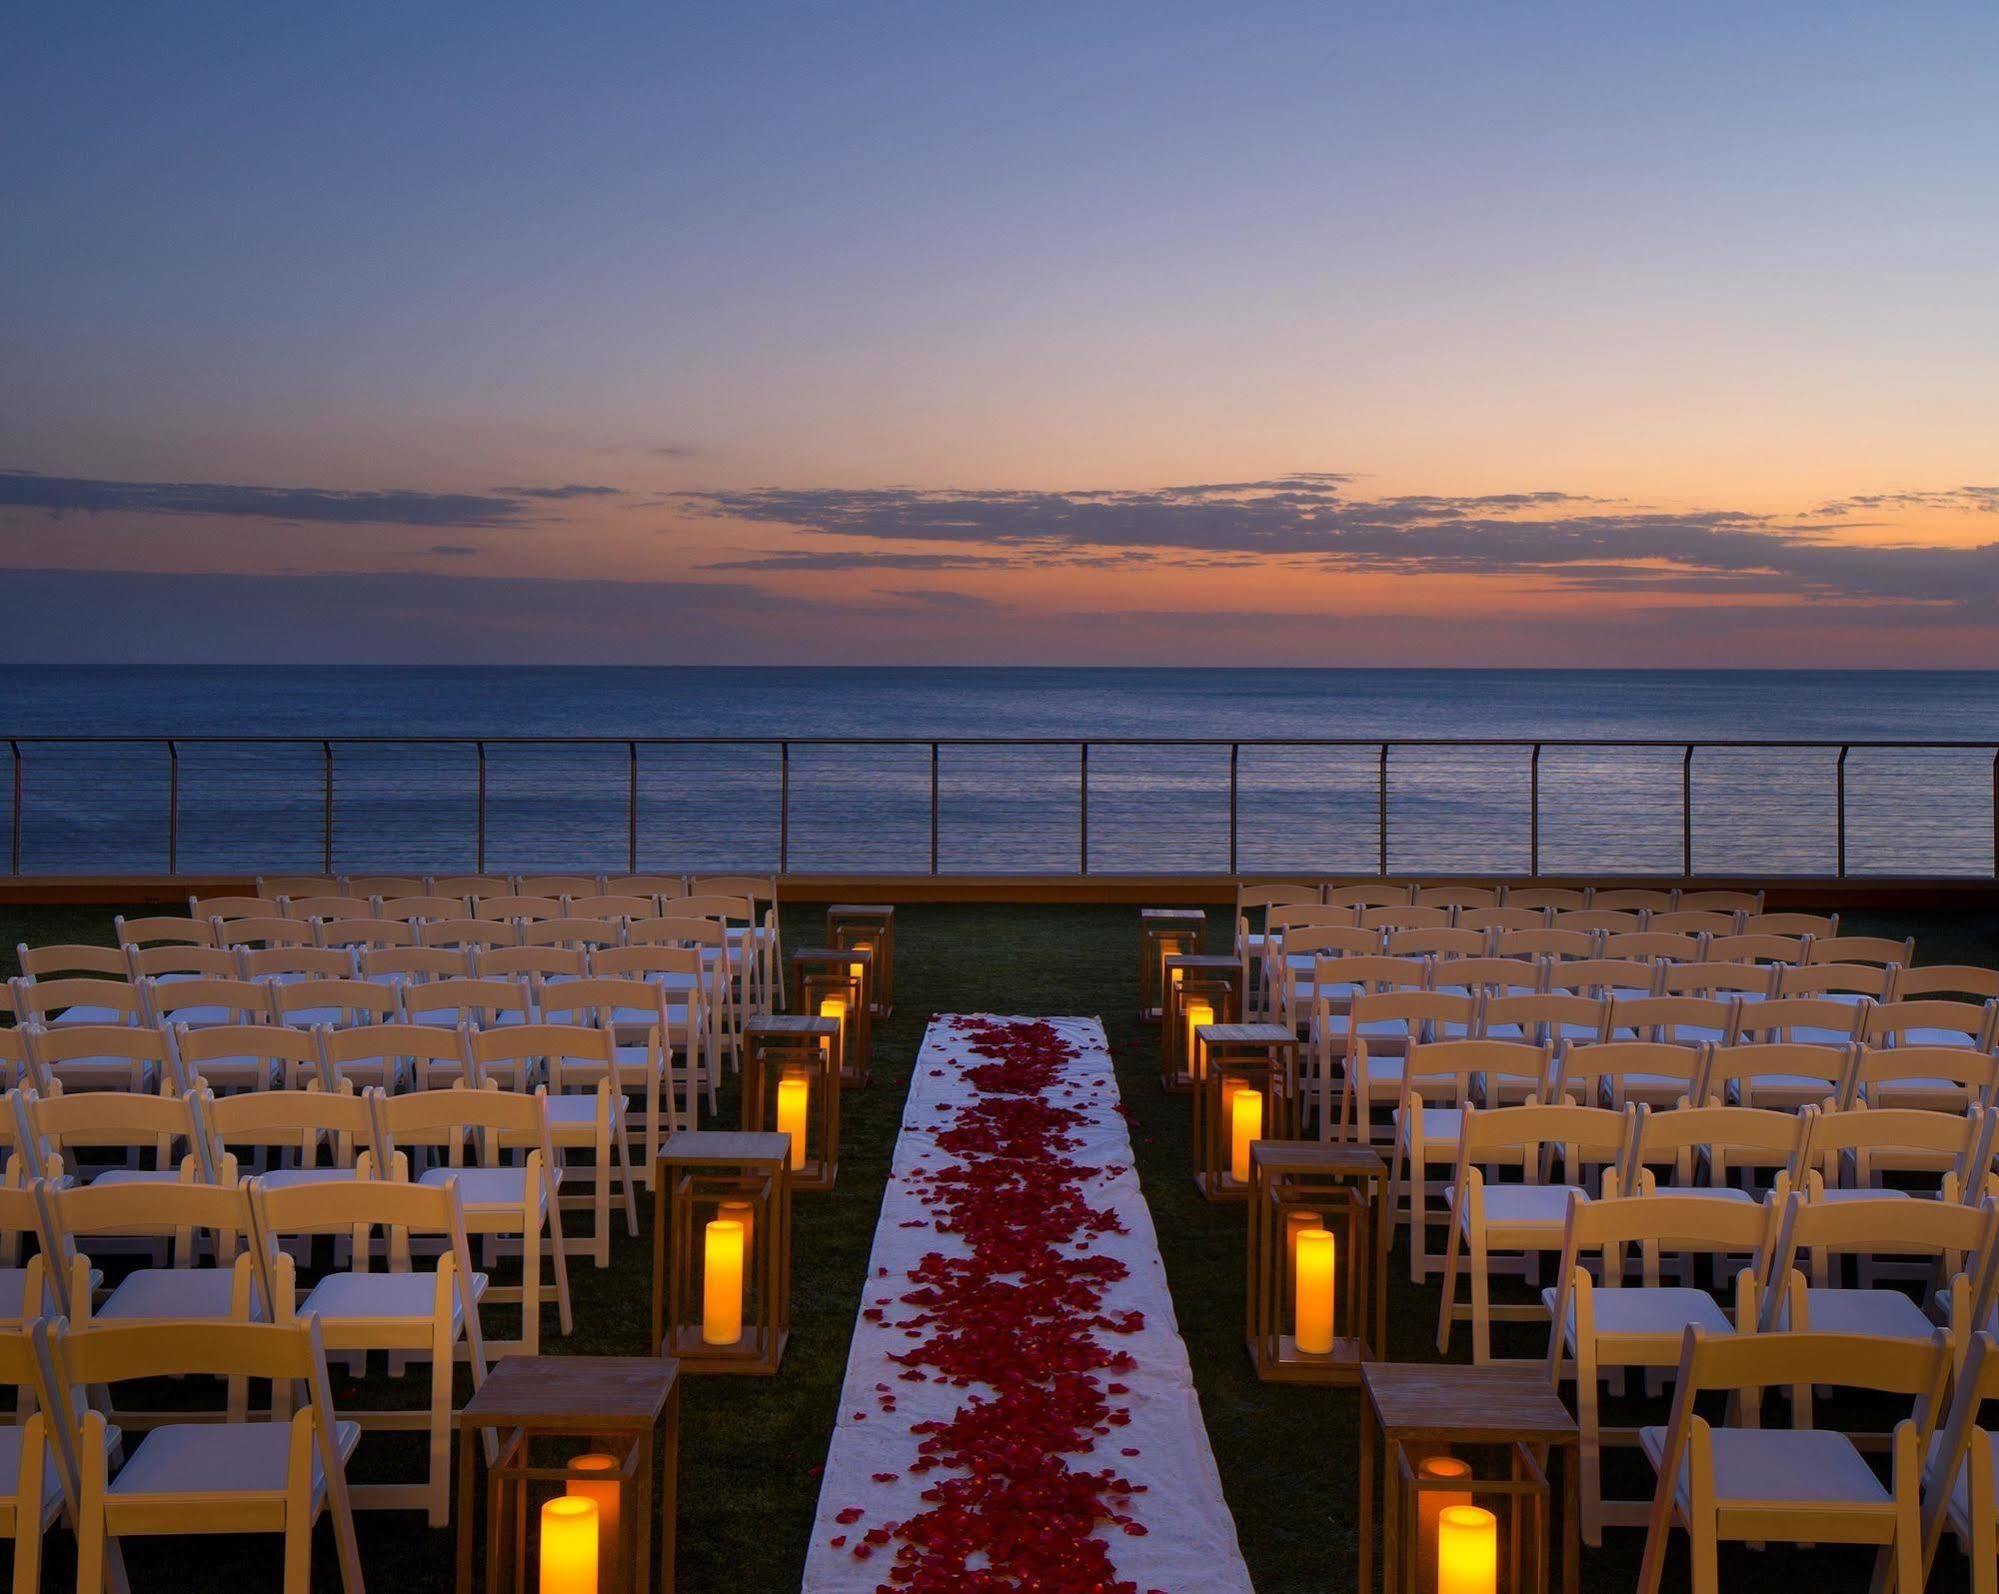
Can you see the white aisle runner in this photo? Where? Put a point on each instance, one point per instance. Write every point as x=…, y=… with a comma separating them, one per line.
x=1182, y=1539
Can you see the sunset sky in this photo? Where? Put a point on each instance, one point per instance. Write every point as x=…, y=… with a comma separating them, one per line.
x=1010, y=333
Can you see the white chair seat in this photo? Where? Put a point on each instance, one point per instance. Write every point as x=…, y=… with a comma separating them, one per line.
x=1886, y=1313
x=1946, y=1095
x=1522, y=1206
x=1935, y=1037
x=1661, y=1312
x=105, y=1073
x=575, y=1111
x=1784, y=1085
x=292, y=1178
x=1863, y=1195
x=1441, y=1126
x=383, y=1297
x=483, y=1188
x=170, y=1292
x=223, y=1458
x=1776, y=1465
x=87, y=1015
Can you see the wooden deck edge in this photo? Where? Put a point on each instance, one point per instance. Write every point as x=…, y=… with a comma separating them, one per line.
x=1137, y=890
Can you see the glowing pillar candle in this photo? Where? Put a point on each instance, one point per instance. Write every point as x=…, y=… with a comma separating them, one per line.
x=722, y=1283
x=794, y=1093
x=1198, y=1013
x=745, y=1214
x=1431, y=1504
x=1467, y=1551
x=594, y=1477
x=1313, y=1291
x=1245, y=1125
x=829, y=1007
x=569, y=1545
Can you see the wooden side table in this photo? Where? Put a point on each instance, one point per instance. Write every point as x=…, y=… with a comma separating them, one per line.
x=871, y=927
x=1164, y=933
x=1442, y=1405
x=628, y=1399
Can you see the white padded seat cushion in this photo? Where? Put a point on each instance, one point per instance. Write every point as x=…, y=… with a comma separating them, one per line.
x=1797, y=1465
x=351, y=1297
x=10, y=1468
x=223, y=1458
x=1653, y=1311
x=1887, y=1313
x=483, y=1187
x=1523, y=1206
x=168, y=1292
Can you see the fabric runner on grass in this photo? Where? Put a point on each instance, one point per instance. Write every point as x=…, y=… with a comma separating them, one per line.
x=1018, y=1410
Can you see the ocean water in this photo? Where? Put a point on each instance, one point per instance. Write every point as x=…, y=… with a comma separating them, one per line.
x=243, y=806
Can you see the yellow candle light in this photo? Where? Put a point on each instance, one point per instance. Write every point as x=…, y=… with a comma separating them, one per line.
x=1245, y=1125
x=1430, y=1505
x=594, y=1477
x=569, y=1545
x=1467, y=1550
x=1312, y=1292
x=1198, y=1013
x=722, y=1283
x=794, y=1092
x=834, y=1007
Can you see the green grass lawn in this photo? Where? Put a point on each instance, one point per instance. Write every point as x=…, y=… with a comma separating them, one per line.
x=749, y=1449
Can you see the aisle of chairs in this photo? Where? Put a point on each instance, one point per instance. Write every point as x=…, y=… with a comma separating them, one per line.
x=317, y=1123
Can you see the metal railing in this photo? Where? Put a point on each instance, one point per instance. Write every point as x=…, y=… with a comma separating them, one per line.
x=24, y=751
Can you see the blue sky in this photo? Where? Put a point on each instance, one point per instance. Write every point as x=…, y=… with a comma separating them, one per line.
x=1682, y=261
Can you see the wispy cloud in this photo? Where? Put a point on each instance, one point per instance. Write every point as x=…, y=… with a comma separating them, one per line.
x=573, y=490
x=857, y=559
x=1560, y=538
x=1978, y=500
x=27, y=489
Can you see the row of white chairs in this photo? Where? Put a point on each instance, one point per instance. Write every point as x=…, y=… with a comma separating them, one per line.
x=762, y=886
x=1388, y=893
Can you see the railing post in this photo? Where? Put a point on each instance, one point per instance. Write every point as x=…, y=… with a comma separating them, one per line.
x=933, y=807
x=326, y=823
x=1534, y=813
x=1083, y=810
x=1995, y=814
x=479, y=861
x=632, y=808
x=14, y=747
x=784, y=808
x=1381, y=810
x=173, y=808
x=1687, y=814
x=1839, y=812
x=1235, y=763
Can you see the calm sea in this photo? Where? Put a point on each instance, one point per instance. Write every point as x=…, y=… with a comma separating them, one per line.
x=1613, y=810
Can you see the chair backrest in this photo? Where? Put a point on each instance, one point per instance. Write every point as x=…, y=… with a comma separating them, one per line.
x=1688, y=921
x=1947, y=979
x=1457, y=897
x=1779, y=949
x=1631, y=899
x=1946, y=1232
x=469, y=885
x=1369, y=894
x=759, y=889
x=414, y=964
x=1612, y=1226
x=48, y=962
x=1653, y=946
x=1602, y=976
x=556, y=885
x=1746, y=1063
x=1550, y=898
x=355, y=1001
x=301, y=885
x=168, y=929
x=530, y=962
x=1254, y=897
x=50, y=1049
x=1441, y=943
x=574, y=1053
x=1585, y=1137
x=469, y=933
x=1716, y=979
x=282, y=963
x=200, y=962
x=1677, y=1020
x=1499, y=976
x=96, y=1120
x=292, y=1053
x=182, y=1002
x=611, y=905
x=1491, y=920
x=1876, y=1140
x=228, y=908
x=1845, y=979
x=361, y=1208
x=1279, y=922
x=298, y=1119
x=468, y=1000
x=572, y=933
x=677, y=931
x=1860, y=949
x=431, y=1049
x=329, y=906
x=492, y=1119
x=1794, y=1018
x=729, y=907
x=645, y=961
x=417, y=909
x=1567, y=946
x=1446, y=1071
x=1598, y=921
x=1936, y=1020
x=270, y=931
x=354, y=935
x=600, y=1001
x=662, y=886
x=1327, y=940
x=1378, y=978
x=1812, y=926
x=510, y=906
x=1718, y=901
x=1547, y=1017
x=386, y=885
x=1595, y=1064
x=51, y=1002
x=1974, y=1071
x=1976, y=1383
x=1408, y=916
x=74, y=1215
x=1747, y=1139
